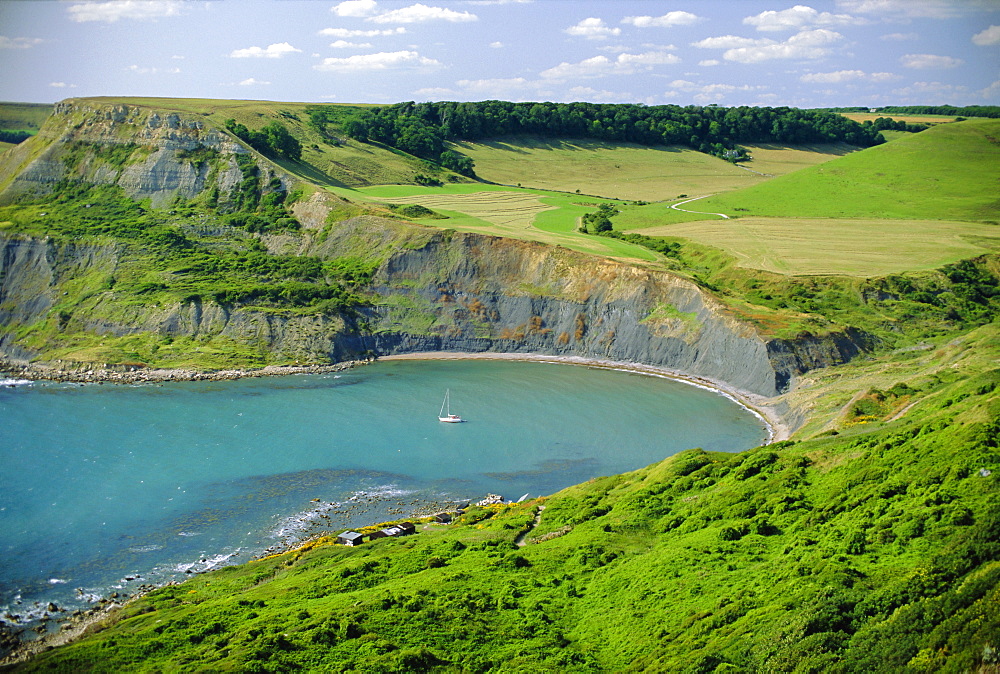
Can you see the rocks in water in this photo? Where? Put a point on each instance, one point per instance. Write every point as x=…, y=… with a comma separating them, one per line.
x=491, y=499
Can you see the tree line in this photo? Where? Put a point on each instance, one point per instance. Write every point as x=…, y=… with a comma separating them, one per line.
x=949, y=110
x=422, y=129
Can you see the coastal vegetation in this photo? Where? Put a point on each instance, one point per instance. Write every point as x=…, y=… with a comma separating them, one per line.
x=871, y=546
x=869, y=541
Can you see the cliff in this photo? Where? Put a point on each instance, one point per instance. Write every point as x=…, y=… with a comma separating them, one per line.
x=432, y=290
x=137, y=148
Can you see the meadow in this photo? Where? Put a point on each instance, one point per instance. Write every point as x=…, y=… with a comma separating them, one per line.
x=855, y=247
x=530, y=215
x=947, y=172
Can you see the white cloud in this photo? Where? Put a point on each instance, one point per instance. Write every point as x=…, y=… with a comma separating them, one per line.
x=709, y=62
x=601, y=66
x=420, y=13
x=272, y=51
x=251, y=82
x=493, y=86
x=921, y=61
x=355, y=8
x=666, y=21
x=808, y=44
x=379, y=61
x=988, y=37
x=908, y=9
x=709, y=93
x=598, y=96
x=990, y=93
x=344, y=44
x=797, y=18
x=139, y=70
x=496, y=45
x=930, y=93
x=728, y=42
x=62, y=85
x=899, y=37
x=842, y=76
x=346, y=33
x=593, y=29
x=18, y=42
x=123, y=9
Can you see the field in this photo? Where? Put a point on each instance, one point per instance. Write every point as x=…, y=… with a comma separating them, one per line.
x=909, y=119
x=615, y=171
x=857, y=247
x=947, y=172
x=631, y=172
x=531, y=215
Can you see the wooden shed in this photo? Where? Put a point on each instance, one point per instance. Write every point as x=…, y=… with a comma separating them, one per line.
x=350, y=538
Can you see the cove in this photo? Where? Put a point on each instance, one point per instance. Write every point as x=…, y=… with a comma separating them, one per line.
x=106, y=487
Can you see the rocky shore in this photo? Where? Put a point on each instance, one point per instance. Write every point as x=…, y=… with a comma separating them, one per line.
x=74, y=372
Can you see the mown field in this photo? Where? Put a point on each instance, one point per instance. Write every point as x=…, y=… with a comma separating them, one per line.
x=856, y=247
x=531, y=215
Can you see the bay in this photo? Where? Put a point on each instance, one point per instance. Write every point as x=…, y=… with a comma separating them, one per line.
x=106, y=487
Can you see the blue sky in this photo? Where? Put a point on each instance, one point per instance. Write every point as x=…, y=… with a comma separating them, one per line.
x=743, y=52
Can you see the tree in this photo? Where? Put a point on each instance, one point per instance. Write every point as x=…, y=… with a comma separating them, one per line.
x=458, y=163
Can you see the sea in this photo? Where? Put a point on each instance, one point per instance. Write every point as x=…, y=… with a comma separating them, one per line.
x=108, y=487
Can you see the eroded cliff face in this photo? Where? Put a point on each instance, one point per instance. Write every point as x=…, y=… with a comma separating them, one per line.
x=139, y=149
x=434, y=290
x=453, y=292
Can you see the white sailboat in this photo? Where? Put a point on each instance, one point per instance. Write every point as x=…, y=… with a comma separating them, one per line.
x=445, y=414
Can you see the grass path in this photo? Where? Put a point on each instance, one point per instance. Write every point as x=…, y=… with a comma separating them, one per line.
x=688, y=201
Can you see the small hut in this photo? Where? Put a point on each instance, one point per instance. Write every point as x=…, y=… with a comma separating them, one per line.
x=350, y=538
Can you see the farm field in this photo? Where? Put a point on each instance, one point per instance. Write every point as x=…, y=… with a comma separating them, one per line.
x=909, y=119
x=860, y=247
x=531, y=215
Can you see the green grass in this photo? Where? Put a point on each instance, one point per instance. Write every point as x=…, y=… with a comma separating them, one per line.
x=855, y=247
x=946, y=172
x=23, y=116
x=611, y=170
x=530, y=215
x=873, y=549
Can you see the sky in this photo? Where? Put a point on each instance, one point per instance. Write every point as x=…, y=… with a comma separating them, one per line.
x=687, y=52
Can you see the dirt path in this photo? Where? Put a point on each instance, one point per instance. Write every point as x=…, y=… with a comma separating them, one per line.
x=520, y=540
x=681, y=203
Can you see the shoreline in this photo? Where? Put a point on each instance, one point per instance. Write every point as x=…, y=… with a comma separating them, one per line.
x=760, y=406
x=84, y=373
x=76, y=626
x=73, y=372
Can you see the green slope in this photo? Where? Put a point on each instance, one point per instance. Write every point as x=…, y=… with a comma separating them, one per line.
x=947, y=172
x=874, y=550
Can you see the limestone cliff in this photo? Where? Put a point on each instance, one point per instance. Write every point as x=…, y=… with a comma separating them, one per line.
x=433, y=289
x=136, y=148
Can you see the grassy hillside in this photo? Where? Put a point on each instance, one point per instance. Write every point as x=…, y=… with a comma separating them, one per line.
x=22, y=117
x=873, y=549
x=803, y=246
x=527, y=214
x=946, y=172
x=628, y=171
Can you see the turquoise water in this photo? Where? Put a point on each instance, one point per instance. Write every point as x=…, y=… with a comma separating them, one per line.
x=105, y=487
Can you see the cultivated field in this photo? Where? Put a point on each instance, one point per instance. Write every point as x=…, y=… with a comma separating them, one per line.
x=859, y=247
x=909, y=119
x=531, y=215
